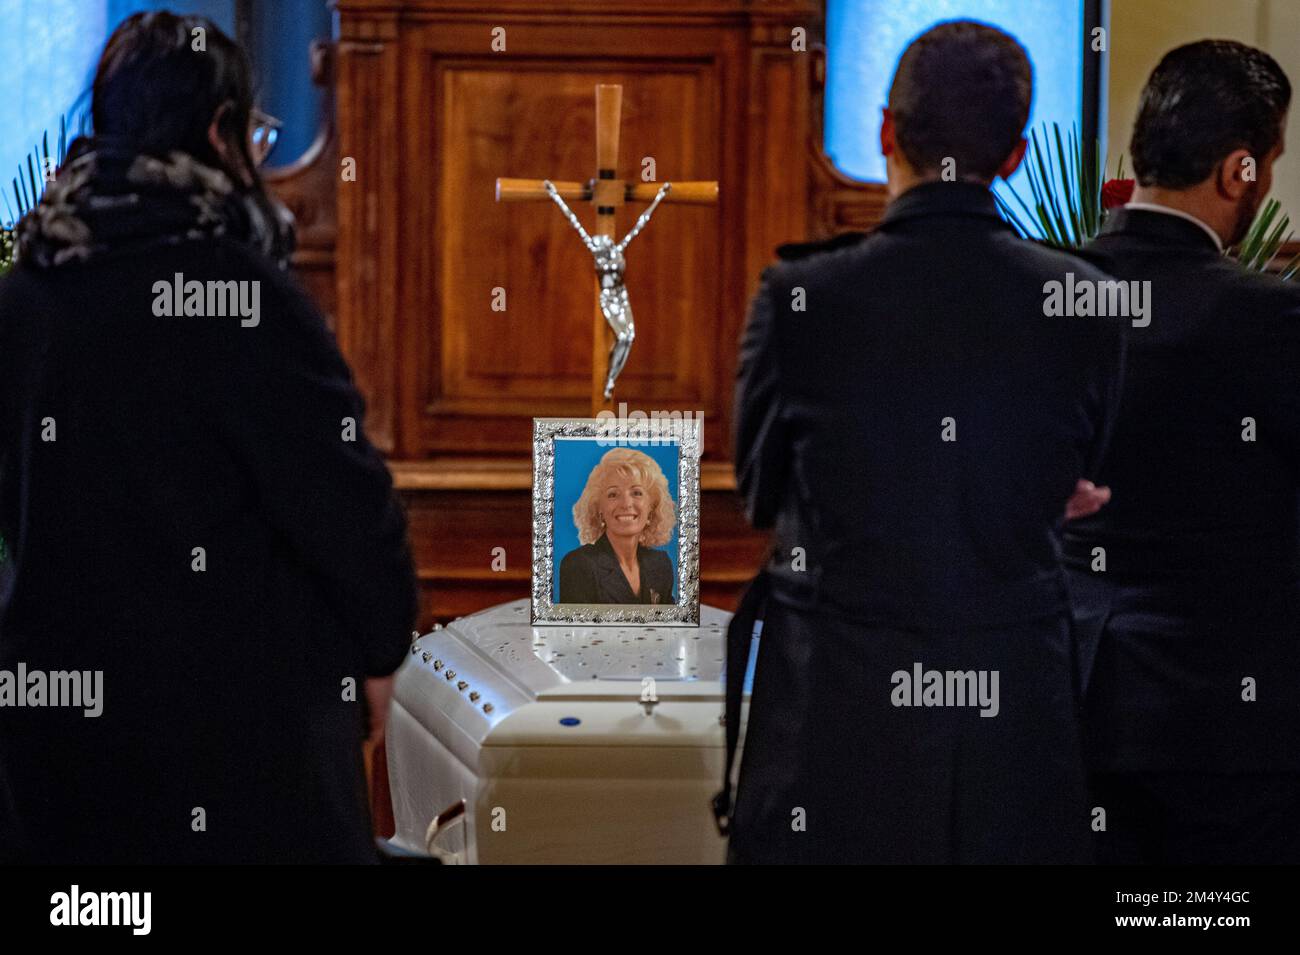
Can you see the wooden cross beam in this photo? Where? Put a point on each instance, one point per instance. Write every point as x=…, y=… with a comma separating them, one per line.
x=607, y=193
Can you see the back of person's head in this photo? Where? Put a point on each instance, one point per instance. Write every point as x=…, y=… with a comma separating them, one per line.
x=962, y=91
x=1205, y=101
x=161, y=81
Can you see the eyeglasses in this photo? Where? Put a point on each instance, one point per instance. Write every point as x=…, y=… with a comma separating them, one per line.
x=264, y=130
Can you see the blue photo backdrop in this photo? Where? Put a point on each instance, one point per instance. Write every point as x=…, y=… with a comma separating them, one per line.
x=574, y=460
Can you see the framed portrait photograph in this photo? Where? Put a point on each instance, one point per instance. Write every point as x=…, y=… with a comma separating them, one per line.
x=616, y=506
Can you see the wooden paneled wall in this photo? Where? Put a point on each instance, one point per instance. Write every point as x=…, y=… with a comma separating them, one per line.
x=406, y=258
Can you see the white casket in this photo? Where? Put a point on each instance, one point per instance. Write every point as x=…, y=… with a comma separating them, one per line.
x=543, y=732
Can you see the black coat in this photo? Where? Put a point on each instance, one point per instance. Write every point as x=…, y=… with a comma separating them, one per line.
x=225, y=689
x=895, y=547
x=591, y=575
x=1199, y=590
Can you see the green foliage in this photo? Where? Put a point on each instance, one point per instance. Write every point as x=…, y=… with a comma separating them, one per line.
x=1064, y=209
x=1264, y=241
x=29, y=185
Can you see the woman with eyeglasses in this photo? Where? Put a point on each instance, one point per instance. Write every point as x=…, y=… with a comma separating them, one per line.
x=194, y=522
x=265, y=131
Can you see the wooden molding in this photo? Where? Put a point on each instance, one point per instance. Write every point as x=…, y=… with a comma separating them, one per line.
x=839, y=203
x=509, y=474
x=500, y=11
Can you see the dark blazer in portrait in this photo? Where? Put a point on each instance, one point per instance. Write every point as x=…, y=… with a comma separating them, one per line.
x=591, y=575
x=896, y=547
x=1199, y=590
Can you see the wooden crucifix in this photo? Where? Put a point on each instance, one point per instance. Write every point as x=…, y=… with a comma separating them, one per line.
x=613, y=330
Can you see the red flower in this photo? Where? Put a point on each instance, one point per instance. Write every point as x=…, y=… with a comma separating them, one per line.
x=1116, y=192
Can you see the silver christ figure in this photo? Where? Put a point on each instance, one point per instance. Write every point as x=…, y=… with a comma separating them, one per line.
x=610, y=266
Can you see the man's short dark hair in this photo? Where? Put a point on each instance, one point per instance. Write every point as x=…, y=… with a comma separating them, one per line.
x=1204, y=101
x=962, y=90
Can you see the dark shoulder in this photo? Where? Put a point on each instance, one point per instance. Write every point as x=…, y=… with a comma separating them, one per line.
x=1257, y=306
x=282, y=296
x=656, y=558
x=580, y=558
x=1263, y=287
x=803, y=264
x=20, y=290
x=797, y=251
x=289, y=329
x=242, y=258
x=27, y=284
x=1089, y=255
x=1240, y=300
x=658, y=567
x=1039, y=270
x=1053, y=262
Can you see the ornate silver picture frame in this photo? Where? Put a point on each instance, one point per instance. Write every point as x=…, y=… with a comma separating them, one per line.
x=574, y=554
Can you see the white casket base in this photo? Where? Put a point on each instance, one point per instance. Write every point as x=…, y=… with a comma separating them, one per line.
x=484, y=710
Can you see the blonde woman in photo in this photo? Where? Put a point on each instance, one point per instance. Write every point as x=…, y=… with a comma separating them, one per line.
x=624, y=514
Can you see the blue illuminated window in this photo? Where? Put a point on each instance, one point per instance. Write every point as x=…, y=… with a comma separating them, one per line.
x=49, y=48
x=865, y=39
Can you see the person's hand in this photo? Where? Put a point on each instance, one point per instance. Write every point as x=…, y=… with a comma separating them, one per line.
x=1087, y=499
x=379, y=693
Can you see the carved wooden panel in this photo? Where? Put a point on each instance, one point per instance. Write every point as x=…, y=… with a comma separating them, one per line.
x=534, y=357
x=368, y=207
x=309, y=188
x=479, y=375
x=838, y=203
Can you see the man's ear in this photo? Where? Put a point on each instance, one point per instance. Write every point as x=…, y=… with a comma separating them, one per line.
x=887, y=142
x=1012, y=162
x=1231, y=180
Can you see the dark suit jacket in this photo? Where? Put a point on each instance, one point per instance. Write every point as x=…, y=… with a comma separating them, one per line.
x=894, y=547
x=591, y=575
x=1200, y=538
x=936, y=316
x=225, y=689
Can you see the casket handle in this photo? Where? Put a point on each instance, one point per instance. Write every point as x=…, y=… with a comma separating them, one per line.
x=440, y=822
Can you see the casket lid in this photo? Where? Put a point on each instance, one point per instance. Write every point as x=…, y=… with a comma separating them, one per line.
x=555, y=661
